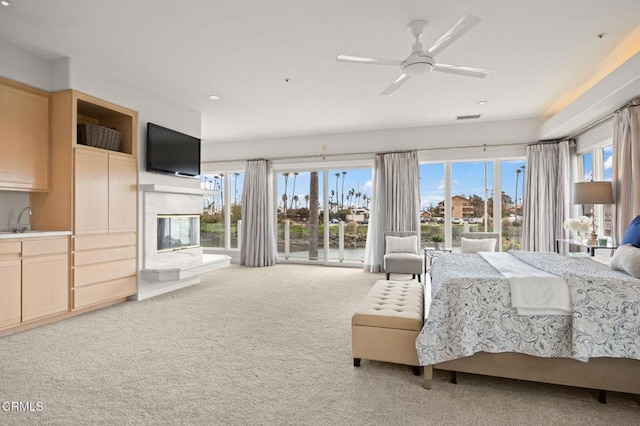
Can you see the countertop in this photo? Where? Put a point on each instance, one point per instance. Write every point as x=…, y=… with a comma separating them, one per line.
x=6, y=235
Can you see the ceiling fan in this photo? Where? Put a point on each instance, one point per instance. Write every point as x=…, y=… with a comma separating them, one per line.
x=421, y=61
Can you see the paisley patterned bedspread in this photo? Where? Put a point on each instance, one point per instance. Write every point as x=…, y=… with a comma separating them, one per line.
x=471, y=312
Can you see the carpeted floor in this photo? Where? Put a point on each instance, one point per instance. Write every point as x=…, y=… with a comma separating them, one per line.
x=256, y=346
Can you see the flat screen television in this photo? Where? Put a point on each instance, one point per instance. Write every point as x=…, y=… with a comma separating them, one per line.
x=172, y=152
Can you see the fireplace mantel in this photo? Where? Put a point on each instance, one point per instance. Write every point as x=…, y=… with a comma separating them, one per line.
x=152, y=187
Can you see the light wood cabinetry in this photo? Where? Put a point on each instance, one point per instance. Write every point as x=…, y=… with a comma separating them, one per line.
x=24, y=137
x=34, y=281
x=94, y=194
x=45, y=278
x=10, y=283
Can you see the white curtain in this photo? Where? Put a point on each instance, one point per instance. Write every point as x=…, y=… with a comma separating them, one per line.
x=395, y=202
x=258, y=237
x=547, y=194
x=626, y=168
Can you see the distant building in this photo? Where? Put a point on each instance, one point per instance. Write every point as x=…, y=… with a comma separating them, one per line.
x=460, y=207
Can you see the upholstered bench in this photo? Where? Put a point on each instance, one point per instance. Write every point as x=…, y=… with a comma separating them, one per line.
x=386, y=324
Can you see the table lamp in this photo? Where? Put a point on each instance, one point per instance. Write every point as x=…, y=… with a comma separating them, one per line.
x=592, y=193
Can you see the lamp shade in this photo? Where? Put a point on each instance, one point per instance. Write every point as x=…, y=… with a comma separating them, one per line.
x=592, y=193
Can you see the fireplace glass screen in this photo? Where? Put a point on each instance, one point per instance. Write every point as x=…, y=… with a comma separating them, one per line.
x=178, y=232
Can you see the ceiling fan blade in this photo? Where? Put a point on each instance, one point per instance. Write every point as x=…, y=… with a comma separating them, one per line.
x=395, y=85
x=468, y=71
x=461, y=26
x=366, y=60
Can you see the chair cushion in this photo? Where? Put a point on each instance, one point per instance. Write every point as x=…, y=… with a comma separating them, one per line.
x=468, y=245
x=632, y=234
x=627, y=258
x=402, y=244
x=404, y=263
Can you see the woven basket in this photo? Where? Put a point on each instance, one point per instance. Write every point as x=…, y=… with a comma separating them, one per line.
x=99, y=136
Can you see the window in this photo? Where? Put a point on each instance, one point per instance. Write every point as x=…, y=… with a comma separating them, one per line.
x=212, y=221
x=431, y=203
x=300, y=230
x=512, y=190
x=219, y=228
x=470, y=189
x=341, y=215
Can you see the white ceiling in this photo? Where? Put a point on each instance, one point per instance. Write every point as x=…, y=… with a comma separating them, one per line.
x=244, y=50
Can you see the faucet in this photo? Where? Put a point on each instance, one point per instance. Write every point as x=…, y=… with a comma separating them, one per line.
x=19, y=228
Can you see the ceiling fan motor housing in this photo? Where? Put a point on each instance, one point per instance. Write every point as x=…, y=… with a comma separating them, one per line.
x=417, y=64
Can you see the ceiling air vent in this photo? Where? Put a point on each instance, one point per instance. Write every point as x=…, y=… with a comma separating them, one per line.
x=468, y=117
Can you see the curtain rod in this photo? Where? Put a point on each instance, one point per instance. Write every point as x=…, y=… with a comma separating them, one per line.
x=346, y=154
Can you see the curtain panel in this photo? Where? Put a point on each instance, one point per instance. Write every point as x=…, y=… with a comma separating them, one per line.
x=547, y=194
x=626, y=168
x=258, y=237
x=395, y=202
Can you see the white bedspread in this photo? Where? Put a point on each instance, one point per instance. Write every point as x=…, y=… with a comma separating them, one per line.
x=533, y=291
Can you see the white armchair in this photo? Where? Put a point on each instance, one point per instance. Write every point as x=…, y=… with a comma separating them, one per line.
x=402, y=254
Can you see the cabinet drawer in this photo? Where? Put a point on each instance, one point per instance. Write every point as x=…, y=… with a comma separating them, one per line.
x=90, y=274
x=103, y=292
x=10, y=247
x=92, y=242
x=42, y=247
x=104, y=255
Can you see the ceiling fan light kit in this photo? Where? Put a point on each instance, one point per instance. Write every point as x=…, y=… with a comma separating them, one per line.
x=421, y=61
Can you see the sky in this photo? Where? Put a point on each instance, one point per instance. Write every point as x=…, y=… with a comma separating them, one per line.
x=468, y=178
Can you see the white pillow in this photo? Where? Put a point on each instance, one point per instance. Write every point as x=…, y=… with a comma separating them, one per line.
x=470, y=245
x=402, y=244
x=627, y=259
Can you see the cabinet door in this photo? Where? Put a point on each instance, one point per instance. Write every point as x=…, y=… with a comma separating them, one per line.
x=123, y=194
x=24, y=138
x=91, y=192
x=45, y=286
x=10, y=292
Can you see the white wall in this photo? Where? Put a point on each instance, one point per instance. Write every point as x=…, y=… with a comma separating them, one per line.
x=421, y=138
x=19, y=65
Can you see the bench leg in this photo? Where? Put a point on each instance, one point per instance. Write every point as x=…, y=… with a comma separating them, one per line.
x=428, y=375
x=416, y=370
x=356, y=362
x=602, y=396
x=454, y=378
x=388, y=275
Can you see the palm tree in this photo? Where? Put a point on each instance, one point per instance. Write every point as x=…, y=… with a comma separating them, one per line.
x=352, y=192
x=515, y=200
x=235, y=187
x=284, y=204
x=313, y=216
x=285, y=198
x=344, y=174
x=358, y=195
x=337, y=191
x=306, y=201
x=295, y=175
x=294, y=201
x=523, y=176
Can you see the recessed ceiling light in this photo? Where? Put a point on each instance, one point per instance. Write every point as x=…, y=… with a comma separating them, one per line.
x=482, y=102
x=214, y=97
x=6, y=3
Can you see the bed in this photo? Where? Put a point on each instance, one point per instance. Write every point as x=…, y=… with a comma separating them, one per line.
x=472, y=326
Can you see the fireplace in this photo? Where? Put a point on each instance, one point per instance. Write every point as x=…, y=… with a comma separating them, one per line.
x=178, y=232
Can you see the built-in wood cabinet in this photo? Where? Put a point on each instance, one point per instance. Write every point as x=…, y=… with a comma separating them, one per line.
x=34, y=281
x=93, y=192
x=24, y=137
x=45, y=277
x=10, y=283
